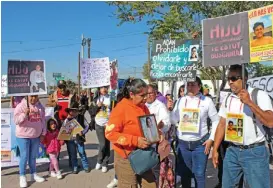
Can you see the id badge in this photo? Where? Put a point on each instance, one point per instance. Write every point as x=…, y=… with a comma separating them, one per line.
x=189, y=120
x=234, y=131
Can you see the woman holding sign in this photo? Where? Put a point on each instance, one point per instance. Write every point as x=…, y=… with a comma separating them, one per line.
x=30, y=130
x=194, y=139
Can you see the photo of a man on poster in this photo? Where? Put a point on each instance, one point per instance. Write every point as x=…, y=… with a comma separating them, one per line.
x=262, y=31
x=37, y=80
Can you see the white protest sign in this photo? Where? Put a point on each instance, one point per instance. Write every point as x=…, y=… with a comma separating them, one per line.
x=95, y=72
x=264, y=83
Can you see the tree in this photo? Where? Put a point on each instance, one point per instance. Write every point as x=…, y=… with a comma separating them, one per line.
x=181, y=20
x=145, y=71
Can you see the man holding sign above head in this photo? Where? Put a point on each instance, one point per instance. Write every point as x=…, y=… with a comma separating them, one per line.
x=241, y=124
x=190, y=113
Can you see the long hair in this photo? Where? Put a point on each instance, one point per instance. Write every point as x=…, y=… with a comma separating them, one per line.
x=130, y=85
x=182, y=86
x=198, y=80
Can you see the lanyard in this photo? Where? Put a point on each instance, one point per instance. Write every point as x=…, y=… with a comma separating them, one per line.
x=231, y=102
x=199, y=101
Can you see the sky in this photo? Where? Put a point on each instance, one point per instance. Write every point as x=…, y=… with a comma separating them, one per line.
x=28, y=26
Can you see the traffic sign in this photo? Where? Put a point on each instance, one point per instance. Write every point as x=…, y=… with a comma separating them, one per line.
x=57, y=75
x=59, y=78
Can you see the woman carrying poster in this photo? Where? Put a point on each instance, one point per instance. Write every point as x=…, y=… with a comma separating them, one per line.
x=30, y=130
x=194, y=139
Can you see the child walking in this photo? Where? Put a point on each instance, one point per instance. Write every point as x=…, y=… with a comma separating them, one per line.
x=53, y=148
x=76, y=144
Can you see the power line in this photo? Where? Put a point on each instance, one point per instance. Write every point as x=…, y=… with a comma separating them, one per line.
x=77, y=38
x=50, y=47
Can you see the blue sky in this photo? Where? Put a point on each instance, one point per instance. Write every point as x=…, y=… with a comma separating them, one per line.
x=62, y=23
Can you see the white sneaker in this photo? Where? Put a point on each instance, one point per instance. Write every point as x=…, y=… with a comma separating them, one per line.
x=23, y=181
x=114, y=183
x=59, y=175
x=35, y=177
x=98, y=166
x=104, y=169
x=52, y=174
x=192, y=183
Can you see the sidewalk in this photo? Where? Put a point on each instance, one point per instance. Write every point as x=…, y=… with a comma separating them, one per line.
x=10, y=176
x=94, y=179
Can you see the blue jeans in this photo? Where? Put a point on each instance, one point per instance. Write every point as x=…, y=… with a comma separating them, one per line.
x=192, y=162
x=73, y=149
x=252, y=163
x=29, y=148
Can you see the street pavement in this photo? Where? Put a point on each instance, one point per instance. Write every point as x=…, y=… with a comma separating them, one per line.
x=94, y=179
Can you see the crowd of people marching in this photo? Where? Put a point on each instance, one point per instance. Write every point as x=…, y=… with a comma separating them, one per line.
x=116, y=122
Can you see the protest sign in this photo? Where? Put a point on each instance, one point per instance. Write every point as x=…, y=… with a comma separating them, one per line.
x=70, y=129
x=114, y=79
x=26, y=78
x=172, y=59
x=260, y=34
x=264, y=83
x=9, y=148
x=95, y=72
x=225, y=40
x=4, y=86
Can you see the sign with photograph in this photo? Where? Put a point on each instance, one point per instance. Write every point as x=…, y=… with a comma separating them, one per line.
x=10, y=153
x=95, y=72
x=149, y=128
x=189, y=120
x=172, y=59
x=226, y=40
x=260, y=34
x=234, y=128
x=26, y=78
x=69, y=129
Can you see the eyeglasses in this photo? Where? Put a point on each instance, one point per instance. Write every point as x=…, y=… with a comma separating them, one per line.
x=234, y=78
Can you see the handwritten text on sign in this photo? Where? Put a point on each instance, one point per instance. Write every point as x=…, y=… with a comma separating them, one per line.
x=264, y=83
x=95, y=72
x=174, y=59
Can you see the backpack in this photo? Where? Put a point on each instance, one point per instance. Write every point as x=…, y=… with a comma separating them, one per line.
x=268, y=131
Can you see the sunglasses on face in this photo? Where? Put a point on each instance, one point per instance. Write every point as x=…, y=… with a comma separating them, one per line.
x=62, y=87
x=233, y=78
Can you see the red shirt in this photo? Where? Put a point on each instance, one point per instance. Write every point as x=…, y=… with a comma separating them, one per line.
x=63, y=103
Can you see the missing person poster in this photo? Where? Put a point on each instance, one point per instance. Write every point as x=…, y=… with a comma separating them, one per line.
x=10, y=153
x=70, y=129
x=189, y=121
x=26, y=78
x=260, y=34
x=172, y=59
x=234, y=128
x=225, y=40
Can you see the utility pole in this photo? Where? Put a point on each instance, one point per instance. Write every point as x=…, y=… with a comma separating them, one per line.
x=79, y=67
x=149, y=61
x=79, y=73
x=89, y=56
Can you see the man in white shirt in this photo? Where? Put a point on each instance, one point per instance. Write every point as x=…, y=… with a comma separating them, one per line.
x=248, y=157
x=162, y=116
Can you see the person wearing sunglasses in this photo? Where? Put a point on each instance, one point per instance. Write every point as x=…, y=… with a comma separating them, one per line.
x=249, y=158
x=194, y=144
